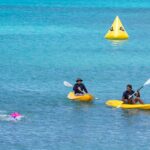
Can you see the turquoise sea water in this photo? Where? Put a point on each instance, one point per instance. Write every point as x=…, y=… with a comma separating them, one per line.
x=79, y=3
x=40, y=47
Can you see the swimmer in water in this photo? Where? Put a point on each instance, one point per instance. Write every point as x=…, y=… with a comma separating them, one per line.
x=15, y=115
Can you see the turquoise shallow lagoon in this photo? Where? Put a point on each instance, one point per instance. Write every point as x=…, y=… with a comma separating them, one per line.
x=40, y=47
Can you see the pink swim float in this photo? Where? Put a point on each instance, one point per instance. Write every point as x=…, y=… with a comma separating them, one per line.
x=15, y=115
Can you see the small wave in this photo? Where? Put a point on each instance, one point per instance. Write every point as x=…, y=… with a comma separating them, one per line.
x=117, y=43
x=3, y=111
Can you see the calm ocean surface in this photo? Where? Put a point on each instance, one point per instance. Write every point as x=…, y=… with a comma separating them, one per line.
x=40, y=47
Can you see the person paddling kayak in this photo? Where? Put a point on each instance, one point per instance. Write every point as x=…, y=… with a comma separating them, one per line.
x=127, y=97
x=79, y=88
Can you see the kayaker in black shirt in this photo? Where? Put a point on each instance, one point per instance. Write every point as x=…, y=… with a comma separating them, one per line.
x=128, y=96
x=79, y=88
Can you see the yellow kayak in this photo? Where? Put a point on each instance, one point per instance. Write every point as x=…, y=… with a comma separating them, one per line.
x=119, y=104
x=84, y=98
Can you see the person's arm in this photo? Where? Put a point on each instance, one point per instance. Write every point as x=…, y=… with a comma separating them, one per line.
x=84, y=88
x=75, y=88
x=124, y=98
x=137, y=94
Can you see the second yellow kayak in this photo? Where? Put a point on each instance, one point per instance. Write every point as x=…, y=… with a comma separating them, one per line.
x=84, y=98
x=119, y=104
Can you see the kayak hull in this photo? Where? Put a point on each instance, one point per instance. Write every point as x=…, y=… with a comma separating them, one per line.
x=119, y=104
x=83, y=98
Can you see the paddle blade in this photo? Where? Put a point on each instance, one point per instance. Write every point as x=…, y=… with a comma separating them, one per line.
x=118, y=106
x=67, y=84
x=147, y=82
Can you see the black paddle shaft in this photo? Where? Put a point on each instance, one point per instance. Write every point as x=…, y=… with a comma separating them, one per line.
x=137, y=91
x=140, y=88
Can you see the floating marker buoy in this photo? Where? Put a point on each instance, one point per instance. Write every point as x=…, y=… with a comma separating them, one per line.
x=117, y=31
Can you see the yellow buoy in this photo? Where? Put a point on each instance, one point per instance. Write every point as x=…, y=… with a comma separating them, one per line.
x=117, y=31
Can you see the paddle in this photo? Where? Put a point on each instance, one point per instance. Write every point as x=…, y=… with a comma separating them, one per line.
x=67, y=84
x=145, y=84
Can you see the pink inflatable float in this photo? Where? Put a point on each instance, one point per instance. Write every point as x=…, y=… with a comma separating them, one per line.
x=15, y=115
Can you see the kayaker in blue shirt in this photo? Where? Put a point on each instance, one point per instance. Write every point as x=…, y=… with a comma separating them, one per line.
x=129, y=97
x=79, y=88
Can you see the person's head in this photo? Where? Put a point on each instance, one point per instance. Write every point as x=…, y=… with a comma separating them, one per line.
x=79, y=81
x=129, y=87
